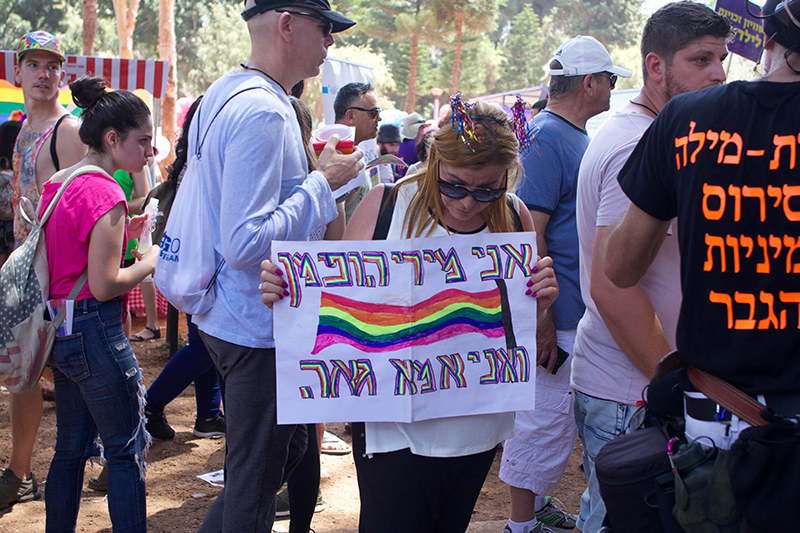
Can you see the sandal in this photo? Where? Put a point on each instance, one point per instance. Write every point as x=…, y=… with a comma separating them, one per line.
x=333, y=445
x=138, y=337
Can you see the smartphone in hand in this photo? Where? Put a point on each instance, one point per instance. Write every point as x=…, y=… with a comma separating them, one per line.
x=562, y=356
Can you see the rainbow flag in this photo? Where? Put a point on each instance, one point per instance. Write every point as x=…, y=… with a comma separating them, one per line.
x=386, y=328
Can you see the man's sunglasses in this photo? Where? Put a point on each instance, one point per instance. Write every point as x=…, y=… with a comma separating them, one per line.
x=612, y=78
x=327, y=26
x=374, y=112
x=457, y=192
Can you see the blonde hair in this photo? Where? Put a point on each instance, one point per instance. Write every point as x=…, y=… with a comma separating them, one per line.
x=495, y=144
x=306, y=122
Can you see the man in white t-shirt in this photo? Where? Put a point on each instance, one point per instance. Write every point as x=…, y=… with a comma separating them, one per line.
x=625, y=332
x=356, y=105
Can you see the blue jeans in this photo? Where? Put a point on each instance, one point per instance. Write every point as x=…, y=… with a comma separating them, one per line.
x=97, y=387
x=599, y=421
x=191, y=363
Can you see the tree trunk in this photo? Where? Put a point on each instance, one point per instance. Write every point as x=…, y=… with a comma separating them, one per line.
x=411, y=98
x=89, y=25
x=457, y=61
x=168, y=52
x=126, y=14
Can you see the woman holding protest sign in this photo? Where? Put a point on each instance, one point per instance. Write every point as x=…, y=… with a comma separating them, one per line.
x=97, y=378
x=427, y=475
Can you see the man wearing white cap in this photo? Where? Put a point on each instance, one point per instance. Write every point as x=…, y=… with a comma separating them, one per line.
x=411, y=133
x=582, y=77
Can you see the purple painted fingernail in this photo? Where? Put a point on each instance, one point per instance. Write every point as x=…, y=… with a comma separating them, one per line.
x=286, y=293
x=528, y=292
x=279, y=272
x=535, y=269
x=284, y=285
x=530, y=283
x=281, y=297
x=534, y=294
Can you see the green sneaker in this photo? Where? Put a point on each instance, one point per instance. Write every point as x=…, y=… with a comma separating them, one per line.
x=556, y=518
x=15, y=490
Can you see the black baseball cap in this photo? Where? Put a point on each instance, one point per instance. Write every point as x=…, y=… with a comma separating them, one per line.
x=389, y=133
x=782, y=22
x=323, y=7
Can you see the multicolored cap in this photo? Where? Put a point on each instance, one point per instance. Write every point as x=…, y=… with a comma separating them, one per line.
x=40, y=40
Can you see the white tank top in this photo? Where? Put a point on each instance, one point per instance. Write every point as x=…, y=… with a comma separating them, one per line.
x=439, y=437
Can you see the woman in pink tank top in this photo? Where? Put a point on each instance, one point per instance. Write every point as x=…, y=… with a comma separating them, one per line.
x=97, y=379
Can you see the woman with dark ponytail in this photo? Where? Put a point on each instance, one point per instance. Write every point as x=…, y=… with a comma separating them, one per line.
x=97, y=379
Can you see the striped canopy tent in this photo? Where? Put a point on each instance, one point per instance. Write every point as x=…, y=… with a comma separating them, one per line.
x=126, y=74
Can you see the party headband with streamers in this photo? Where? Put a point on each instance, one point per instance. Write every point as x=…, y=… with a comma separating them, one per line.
x=462, y=122
x=519, y=125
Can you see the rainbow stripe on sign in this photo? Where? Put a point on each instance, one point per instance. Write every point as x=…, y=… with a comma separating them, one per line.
x=386, y=328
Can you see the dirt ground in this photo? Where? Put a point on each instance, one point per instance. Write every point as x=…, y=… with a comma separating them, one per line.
x=177, y=500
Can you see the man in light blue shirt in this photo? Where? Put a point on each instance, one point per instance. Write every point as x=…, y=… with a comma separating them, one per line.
x=254, y=170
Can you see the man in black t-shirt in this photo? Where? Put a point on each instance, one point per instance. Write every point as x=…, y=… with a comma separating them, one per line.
x=724, y=161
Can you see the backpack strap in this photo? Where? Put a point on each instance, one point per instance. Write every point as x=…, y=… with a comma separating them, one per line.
x=81, y=171
x=385, y=213
x=199, y=142
x=53, y=154
x=76, y=290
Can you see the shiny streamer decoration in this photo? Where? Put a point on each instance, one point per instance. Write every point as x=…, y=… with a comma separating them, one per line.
x=462, y=122
x=519, y=125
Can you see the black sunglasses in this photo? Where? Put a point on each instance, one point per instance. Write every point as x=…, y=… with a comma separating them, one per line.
x=374, y=112
x=327, y=27
x=457, y=192
x=612, y=78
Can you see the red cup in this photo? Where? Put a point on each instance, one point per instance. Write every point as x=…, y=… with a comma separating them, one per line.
x=345, y=147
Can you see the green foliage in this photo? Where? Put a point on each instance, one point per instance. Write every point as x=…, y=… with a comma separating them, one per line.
x=524, y=52
x=612, y=22
x=505, y=43
x=630, y=58
x=214, y=43
x=35, y=14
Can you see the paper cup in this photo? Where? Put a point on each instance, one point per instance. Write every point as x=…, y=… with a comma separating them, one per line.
x=345, y=147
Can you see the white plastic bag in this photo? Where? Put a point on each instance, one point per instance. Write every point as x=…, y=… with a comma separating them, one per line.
x=188, y=264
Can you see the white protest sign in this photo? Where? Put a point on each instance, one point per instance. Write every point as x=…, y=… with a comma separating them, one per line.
x=398, y=331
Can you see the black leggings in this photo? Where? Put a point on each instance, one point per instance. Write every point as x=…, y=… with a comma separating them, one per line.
x=404, y=492
x=304, y=486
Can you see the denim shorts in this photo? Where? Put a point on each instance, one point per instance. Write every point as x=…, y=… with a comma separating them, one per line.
x=599, y=422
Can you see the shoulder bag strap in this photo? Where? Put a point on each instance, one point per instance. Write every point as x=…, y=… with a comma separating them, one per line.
x=53, y=154
x=728, y=396
x=384, y=214
x=512, y=204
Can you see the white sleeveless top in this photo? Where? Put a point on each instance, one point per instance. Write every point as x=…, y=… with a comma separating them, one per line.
x=439, y=437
